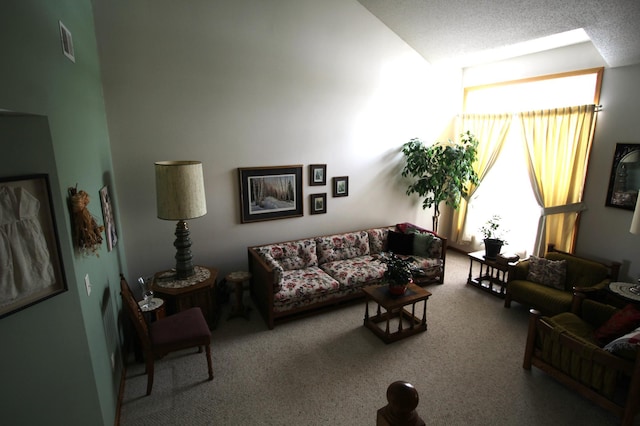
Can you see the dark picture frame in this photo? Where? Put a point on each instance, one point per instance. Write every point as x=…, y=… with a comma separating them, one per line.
x=38, y=272
x=317, y=174
x=268, y=193
x=341, y=186
x=109, y=220
x=318, y=203
x=624, y=180
x=67, y=42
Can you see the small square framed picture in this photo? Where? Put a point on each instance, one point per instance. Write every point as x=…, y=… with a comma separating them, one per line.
x=317, y=174
x=318, y=203
x=341, y=186
x=67, y=42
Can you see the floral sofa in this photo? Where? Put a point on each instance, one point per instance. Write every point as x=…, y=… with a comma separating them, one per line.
x=296, y=278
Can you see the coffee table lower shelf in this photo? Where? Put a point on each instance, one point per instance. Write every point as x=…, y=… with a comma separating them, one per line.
x=408, y=323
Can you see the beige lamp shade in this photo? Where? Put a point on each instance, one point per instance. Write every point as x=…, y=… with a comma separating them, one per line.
x=180, y=190
x=635, y=222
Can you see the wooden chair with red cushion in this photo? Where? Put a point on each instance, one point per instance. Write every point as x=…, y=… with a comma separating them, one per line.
x=184, y=330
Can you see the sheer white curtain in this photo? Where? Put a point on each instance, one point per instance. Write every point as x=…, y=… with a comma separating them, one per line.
x=491, y=131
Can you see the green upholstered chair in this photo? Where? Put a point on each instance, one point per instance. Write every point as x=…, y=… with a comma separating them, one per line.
x=581, y=273
x=564, y=346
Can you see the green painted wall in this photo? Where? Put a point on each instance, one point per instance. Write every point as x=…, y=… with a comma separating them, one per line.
x=55, y=362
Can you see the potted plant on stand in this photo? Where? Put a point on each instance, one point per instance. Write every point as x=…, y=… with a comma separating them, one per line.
x=493, y=237
x=441, y=171
x=398, y=273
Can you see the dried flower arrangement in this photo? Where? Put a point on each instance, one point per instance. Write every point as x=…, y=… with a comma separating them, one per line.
x=87, y=234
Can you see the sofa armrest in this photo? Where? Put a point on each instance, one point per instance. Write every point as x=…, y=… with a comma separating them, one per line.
x=264, y=282
x=519, y=271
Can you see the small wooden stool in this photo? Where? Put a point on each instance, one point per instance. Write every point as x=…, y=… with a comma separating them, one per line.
x=238, y=278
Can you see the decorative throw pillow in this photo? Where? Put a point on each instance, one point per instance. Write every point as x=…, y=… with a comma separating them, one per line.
x=422, y=244
x=410, y=228
x=620, y=323
x=400, y=243
x=552, y=273
x=627, y=342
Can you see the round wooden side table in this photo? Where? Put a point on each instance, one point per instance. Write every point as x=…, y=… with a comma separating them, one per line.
x=238, y=278
x=155, y=308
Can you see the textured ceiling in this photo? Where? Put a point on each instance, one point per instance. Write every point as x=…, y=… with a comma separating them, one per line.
x=448, y=31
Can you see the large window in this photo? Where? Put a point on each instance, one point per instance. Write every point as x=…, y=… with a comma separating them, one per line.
x=506, y=190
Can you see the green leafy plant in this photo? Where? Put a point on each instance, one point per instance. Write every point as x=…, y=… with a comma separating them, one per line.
x=441, y=172
x=492, y=230
x=398, y=270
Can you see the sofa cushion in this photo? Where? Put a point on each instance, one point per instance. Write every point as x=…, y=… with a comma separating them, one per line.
x=550, y=301
x=620, y=323
x=552, y=273
x=430, y=266
x=426, y=243
x=575, y=325
x=355, y=272
x=302, y=287
x=293, y=254
x=580, y=272
x=378, y=239
x=625, y=345
x=410, y=228
x=400, y=243
x=422, y=244
x=342, y=246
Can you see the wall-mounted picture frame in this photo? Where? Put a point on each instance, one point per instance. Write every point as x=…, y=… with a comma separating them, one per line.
x=318, y=203
x=624, y=180
x=67, y=42
x=341, y=186
x=268, y=193
x=317, y=174
x=109, y=220
x=37, y=273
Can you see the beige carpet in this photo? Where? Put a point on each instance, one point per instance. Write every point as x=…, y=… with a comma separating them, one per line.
x=329, y=369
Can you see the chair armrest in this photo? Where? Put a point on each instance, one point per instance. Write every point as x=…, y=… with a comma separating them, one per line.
x=592, y=311
x=519, y=271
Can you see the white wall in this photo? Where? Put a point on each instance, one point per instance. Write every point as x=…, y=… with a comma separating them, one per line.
x=604, y=231
x=242, y=83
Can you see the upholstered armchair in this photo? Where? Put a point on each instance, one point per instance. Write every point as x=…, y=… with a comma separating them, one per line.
x=547, y=284
x=593, y=350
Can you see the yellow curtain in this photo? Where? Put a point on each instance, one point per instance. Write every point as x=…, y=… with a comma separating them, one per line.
x=491, y=131
x=557, y=145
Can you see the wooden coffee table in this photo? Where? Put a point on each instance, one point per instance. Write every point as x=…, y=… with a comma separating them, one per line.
x=395, y=309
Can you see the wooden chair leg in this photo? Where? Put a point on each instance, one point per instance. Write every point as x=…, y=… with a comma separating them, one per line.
x=149, y=374
x=507, y=300
x=209, y=365
x=531, y=339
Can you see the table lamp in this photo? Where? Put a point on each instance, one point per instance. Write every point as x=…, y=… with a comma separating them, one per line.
x=180, y=196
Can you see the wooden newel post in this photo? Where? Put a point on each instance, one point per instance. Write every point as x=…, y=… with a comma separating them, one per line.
x=401, y=409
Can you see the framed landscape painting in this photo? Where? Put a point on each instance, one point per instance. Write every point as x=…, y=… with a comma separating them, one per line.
x=37, y=271
x=268, y=193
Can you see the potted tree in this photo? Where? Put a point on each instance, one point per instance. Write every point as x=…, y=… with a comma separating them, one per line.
x=441, y=171
x=493, y=237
